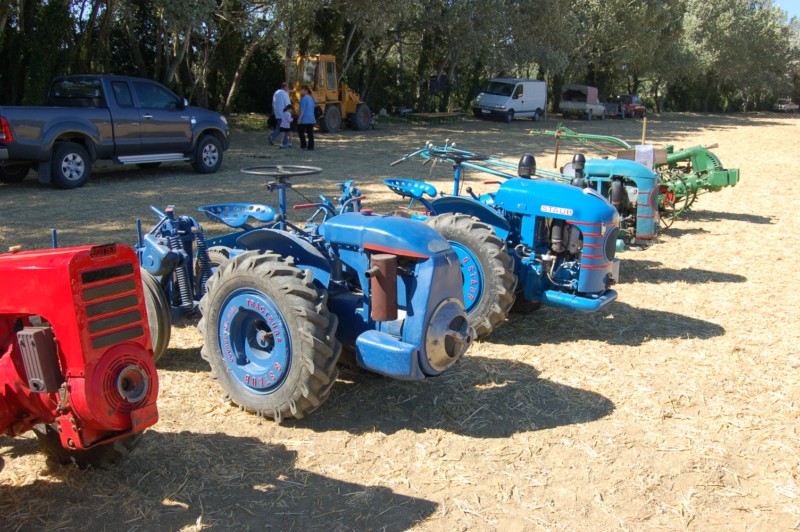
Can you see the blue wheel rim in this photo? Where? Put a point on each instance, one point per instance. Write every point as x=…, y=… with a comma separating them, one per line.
x=254, y=341
x=471, y=275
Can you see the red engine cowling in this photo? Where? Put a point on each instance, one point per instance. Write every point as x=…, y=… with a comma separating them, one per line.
x=75, y=347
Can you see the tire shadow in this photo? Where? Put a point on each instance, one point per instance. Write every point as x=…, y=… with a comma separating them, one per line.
x=177, y=480
x=479, y=397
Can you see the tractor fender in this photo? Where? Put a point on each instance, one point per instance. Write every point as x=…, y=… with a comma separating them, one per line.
x=487, y=215
x=288, y=245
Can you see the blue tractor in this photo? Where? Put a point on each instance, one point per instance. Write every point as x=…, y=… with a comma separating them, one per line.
x=542, y=241
x=283, y=300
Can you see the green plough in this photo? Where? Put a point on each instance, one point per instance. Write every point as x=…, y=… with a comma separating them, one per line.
x=684, y=174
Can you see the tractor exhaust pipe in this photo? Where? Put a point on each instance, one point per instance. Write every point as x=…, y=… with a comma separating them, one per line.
x=383, y=287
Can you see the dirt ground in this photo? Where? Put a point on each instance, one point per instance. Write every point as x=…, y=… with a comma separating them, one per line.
x=677, y=407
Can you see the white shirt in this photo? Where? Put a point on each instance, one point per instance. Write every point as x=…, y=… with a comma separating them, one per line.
x=279, y=102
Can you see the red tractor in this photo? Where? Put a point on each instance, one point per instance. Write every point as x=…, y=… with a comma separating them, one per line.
x=76, y=361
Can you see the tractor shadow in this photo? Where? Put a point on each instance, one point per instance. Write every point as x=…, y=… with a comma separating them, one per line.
x=177, y=480
x=678, y=232
x=617, y=324
x=479, y=397
x=649, y=271
x=713, y=216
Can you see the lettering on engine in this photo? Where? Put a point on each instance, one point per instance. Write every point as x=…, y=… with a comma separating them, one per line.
x=557, y=210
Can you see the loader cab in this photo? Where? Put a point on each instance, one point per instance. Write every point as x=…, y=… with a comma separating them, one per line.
x=318, y=72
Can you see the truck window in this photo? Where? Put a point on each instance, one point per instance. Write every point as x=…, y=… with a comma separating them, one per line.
x=122, y=94
x=498, y=88
x=154, y=96
x=517, y=92
x=76, y=93
x=330, y=74
x=309, y=73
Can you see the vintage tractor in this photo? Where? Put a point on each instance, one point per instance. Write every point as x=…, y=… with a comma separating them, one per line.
x=284, y=299
x=551, y=243
x=76, y=364
x=683, y=175
x=334, y=99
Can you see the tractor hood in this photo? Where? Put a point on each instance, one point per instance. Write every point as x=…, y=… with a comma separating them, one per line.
x=619, y=167
x=551, y=199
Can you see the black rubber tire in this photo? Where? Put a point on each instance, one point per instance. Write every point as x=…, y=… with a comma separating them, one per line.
x=158, y=314
x=311, y=328
x=208, y=155
x=14, y=173
x=509, y=116
x=148, y=166
x=361, y=118
x=536, y=116
x=100, y=457
x=71, y=165
x=331, y=120
x=477, y=113
x=217, y=256
x=496, y=264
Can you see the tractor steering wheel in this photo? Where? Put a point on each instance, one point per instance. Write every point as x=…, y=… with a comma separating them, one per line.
x=456, y=157
x=281, y=171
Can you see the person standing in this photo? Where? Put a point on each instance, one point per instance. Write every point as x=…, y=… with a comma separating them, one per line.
x=306, y=119
x=279, y=102
x=286, y=122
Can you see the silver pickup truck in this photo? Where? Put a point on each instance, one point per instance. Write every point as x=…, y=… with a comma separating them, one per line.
x=123, y=119
x=581, y=101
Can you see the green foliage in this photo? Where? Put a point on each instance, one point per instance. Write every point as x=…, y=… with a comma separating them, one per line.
x=707, y=55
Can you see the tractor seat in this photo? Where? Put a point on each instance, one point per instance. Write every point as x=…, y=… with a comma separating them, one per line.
x=238, y=214
x=410, y=188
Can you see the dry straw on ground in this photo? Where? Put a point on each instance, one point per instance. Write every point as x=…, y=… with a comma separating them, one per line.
x=677, y=407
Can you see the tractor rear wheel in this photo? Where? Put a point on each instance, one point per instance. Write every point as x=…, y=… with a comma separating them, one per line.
x=268, y=336
x=486, y=267
x=361, y=118
x=158, y=314
x=100, y=457
x=331, y=119
x=14, y=173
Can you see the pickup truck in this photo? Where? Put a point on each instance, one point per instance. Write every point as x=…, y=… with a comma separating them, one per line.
x=581, y=101
x=94, y=117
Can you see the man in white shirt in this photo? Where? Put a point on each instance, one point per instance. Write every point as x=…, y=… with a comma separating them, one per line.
x=279, y=102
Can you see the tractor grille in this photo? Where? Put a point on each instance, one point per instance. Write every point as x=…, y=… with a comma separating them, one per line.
x=111, y=305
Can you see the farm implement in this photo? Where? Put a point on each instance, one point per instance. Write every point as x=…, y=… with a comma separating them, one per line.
x=76, y=364
x=282, y=300
x=547, y=242
x=684, y=174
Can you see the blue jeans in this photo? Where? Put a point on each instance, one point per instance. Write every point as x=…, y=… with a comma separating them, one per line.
x=276, y=132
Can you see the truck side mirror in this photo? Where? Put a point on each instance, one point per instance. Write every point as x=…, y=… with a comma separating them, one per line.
x=184, y=103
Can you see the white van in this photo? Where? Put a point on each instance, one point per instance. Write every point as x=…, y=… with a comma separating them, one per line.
x=508, y=98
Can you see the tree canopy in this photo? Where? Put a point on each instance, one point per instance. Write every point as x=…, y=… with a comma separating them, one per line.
x=703, y=55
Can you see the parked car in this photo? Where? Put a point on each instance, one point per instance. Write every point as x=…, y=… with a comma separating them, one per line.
x=632, y=105
x=581, y=101
x=508, y=98
x=785, y=105
x=123, y=119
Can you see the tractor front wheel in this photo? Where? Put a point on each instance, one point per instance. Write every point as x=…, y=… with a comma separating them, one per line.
x=100, y=457
x=486, y=267
x=268, y=336
x=158, y=314
x=361, y=118
x=331, y=119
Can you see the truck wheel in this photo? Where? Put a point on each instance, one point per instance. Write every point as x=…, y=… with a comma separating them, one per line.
x=331, y=119
x=510, y=116
x=71, y=165
x=361, y=118
x=101, y=457
x=269, y=337
x=208, y=155
x=486, y=267
x=14, y=173
x=477, y=113
x=536, y=116
x=158, y=314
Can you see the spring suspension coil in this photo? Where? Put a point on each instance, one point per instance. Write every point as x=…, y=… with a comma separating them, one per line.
x=203, y=263
x=182, y=276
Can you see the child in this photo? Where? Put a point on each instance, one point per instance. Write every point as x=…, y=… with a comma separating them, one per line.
x=286, y=120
